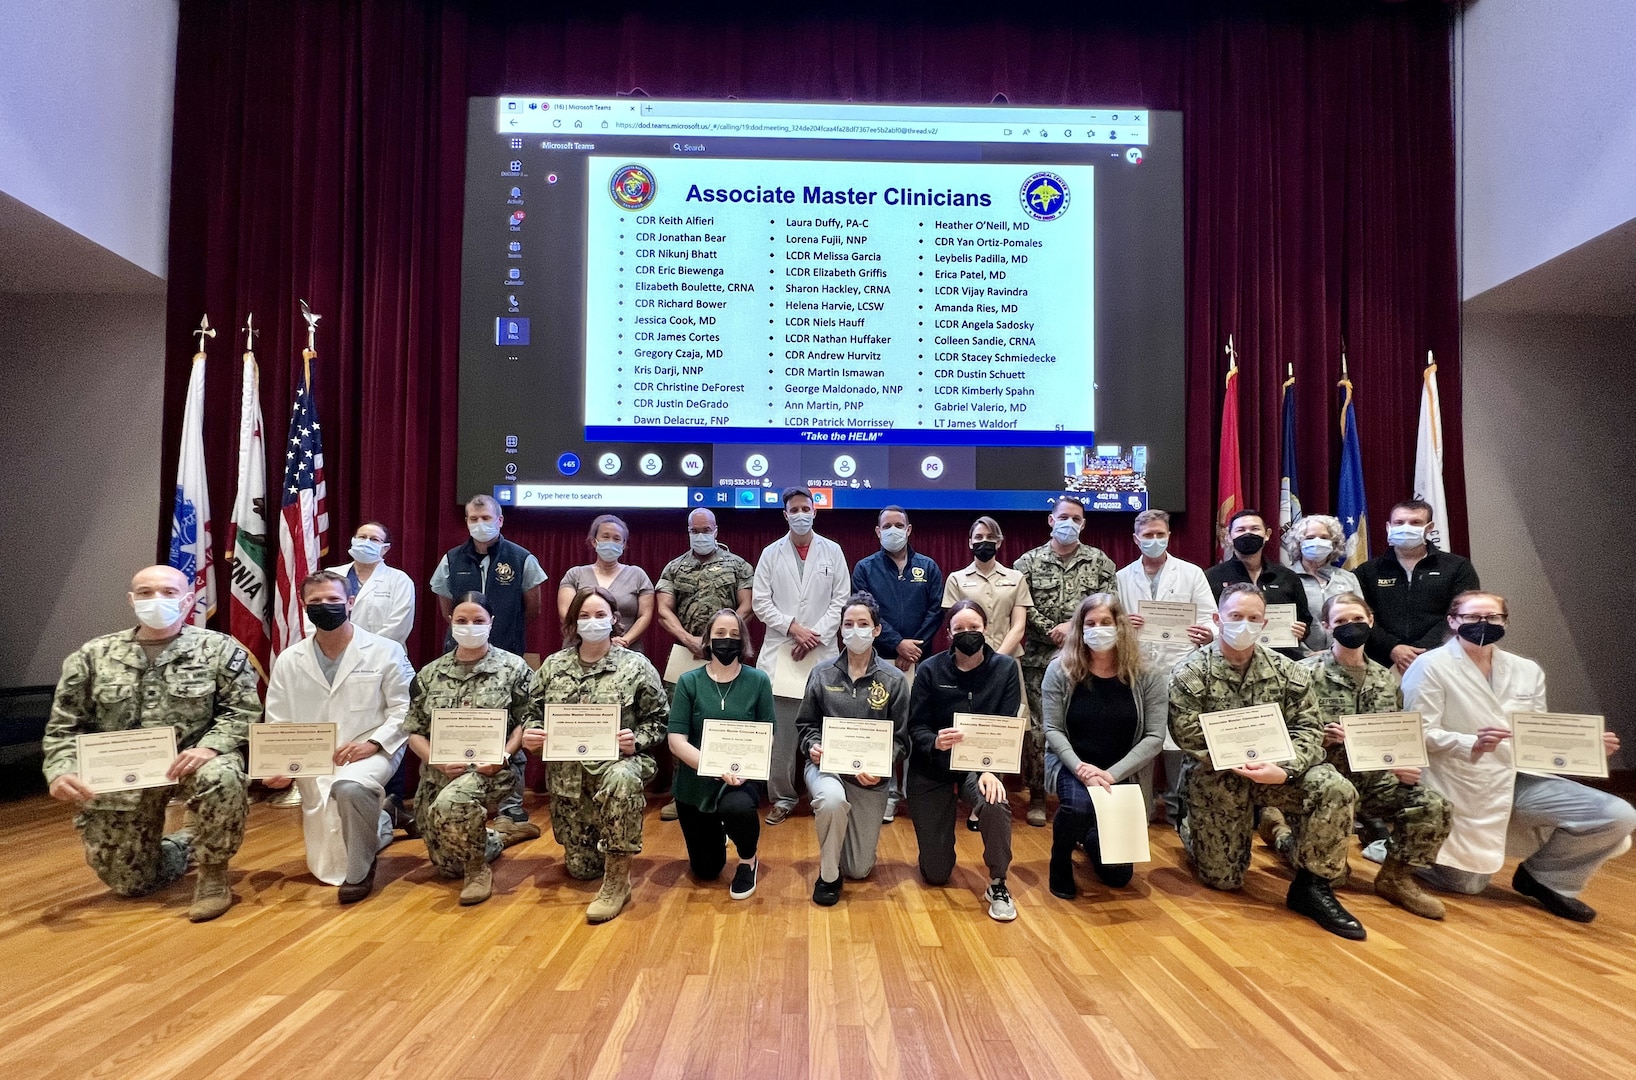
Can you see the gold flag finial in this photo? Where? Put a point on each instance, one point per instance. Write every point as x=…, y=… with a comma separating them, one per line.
x=312, y=327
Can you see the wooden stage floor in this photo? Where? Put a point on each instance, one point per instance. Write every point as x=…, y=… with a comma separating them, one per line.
x=1165, y=979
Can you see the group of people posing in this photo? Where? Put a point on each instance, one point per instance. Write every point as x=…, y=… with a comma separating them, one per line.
x=1055, y=637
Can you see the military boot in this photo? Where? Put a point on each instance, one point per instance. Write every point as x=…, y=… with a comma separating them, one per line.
x=616, y=890
x=1310, y=895
x=514, y=832
x=211, y=896
x=479, y=883
x=1396, y=883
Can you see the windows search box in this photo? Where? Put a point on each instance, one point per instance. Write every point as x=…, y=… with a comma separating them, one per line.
x=554, y=496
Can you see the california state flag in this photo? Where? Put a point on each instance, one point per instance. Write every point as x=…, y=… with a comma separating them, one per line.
x=247, y=602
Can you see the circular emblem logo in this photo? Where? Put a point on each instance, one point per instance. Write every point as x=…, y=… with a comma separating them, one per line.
x=471, y=753
x=1387, y=758
x=1045, y=196
x=877, y=695
x=130, y=778
x=857, y=764
x=1251, y=754
x=1559, y=761
x=632, y=187
x=582, y=748
x=733, y=767
x=295, y=766
x=987, y=760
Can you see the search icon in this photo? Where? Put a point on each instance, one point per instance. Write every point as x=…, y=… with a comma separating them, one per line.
x=676, y=146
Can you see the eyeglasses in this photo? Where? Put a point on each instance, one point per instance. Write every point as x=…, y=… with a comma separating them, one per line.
x=1492, y=620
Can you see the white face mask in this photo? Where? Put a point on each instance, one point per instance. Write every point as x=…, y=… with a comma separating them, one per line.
x=470, y=635
x=1317, y=550
x=1241, y=634
x=483, y=531
x=158, y=612
x=595, y=630
x=1101, y=638
x=609, y=550
x=801, y=524
x=702, y=544
x=859, y=639
x=366, y=551
x=1066, y=530
x=1405, y=536
x=894, y=538
x=1154, y=547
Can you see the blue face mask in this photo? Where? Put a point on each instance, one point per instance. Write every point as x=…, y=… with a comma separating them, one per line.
x=702, y=544
x=1154, y=547
x=609, y=550
x=894, y=539
x=1066, y=531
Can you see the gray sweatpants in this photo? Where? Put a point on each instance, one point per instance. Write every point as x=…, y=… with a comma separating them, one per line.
x=366, y=827
x=848, y=816
x=781, y=784
x=934, y=805
x=1565, y=830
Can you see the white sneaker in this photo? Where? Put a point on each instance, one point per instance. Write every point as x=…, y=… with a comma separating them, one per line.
x=1000, y=907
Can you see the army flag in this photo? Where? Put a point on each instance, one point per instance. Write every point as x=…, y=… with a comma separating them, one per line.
x=1229, y=478
x=247, y=600
x=1428, y=458
x=190, y=550
x=1289, y=498
x=1351, y=506
x=303, y=519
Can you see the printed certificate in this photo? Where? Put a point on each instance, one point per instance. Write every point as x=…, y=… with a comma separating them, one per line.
x=680, y=663
x=468, y=736
x=113, y=761
x=1255, y=733
x=1165, y=622
x=790, y=675
x=291, y=750
x=1279, y=633
x=1121, y=823
x=1569, y=744
x=581, y=732
x=857, y=746
x=991, y=744
x=742, y=748
x=1386, y=740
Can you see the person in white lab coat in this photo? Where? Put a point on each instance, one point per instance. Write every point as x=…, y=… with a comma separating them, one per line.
x=358, y=681
x=800, y=588
x=1465, y=691
x=1159, y=575
x=383, y=597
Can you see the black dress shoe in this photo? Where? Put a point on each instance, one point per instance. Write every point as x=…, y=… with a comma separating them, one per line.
x=353, y=891
x=826, y=893
x=1563, y=907
x=1310, y=895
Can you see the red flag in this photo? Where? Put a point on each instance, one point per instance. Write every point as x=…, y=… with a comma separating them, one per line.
x=303, y=519
x=1229, y=477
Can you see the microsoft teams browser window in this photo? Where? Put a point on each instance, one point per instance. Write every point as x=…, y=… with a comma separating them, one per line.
x=674, y=303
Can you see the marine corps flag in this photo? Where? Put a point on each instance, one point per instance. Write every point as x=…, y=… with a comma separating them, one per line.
x=1351, y=506
x=247, y=600
x=1289, y=498
x=1428, y=458
x=190, y=516
x=1229, y=479
x=303, y=519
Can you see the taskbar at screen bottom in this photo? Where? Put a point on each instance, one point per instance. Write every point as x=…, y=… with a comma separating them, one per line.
x=673, y=496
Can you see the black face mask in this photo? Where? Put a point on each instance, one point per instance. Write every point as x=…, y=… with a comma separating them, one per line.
x=985, y=550
x=726, y=649
x=1351, y=635
x=1481, y=633
x=1248, y=544
x=327, y=616
x=969, y=642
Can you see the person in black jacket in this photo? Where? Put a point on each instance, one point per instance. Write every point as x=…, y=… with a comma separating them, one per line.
x=1247, y=533
x=969, y=678
x=1412, y=587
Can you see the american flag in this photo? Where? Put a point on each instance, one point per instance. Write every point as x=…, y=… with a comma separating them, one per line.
x=303, y=520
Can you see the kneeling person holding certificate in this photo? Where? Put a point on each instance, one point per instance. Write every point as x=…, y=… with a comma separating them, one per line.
x=724, y=709
x=1479, y=704
x=1349, y=684
x=467, y=709
x=1267, y=751
x=1104, y=712
x=971, y=678
x=599, y=710
x=125, y=704
x=854, y=730
x=359, y=682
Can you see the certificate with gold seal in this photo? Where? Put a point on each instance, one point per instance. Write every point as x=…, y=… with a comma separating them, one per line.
x=111, y=761
x=581, y=732
x=468, y=737
x=988, y=744
x=857, y=746
x=1253, y=734
x=293, y=750
x=741, y=748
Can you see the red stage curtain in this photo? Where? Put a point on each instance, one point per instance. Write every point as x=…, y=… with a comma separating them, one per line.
x=319, y=150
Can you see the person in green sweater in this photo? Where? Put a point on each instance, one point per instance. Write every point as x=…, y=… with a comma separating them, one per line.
x=712, y=809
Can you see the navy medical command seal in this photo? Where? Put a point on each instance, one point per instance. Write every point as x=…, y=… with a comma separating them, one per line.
x=1045, y=196
x=632, y=187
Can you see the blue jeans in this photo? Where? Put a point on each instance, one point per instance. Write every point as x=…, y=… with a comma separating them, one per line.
x=1076, y=824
